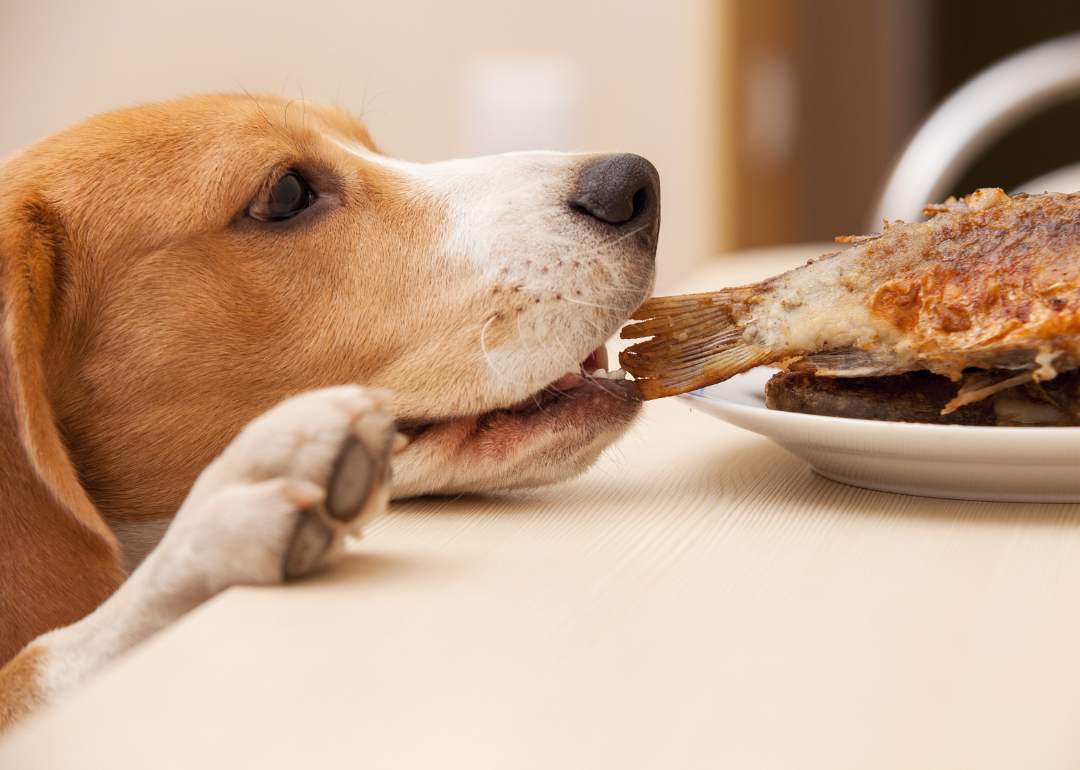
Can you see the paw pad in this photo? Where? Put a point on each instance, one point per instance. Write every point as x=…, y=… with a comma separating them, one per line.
x=360, y=473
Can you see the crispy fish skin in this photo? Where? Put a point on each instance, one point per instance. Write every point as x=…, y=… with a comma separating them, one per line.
x=993, y=282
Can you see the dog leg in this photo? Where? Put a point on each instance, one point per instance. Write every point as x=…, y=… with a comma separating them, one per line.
x=274, y=506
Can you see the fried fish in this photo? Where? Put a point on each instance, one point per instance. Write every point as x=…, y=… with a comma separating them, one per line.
x=920, y=396
x=985, y=293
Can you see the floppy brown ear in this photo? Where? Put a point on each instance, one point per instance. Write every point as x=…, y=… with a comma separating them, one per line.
x=58, y=558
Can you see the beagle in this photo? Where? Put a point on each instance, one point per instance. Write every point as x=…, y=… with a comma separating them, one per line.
x=226, y=318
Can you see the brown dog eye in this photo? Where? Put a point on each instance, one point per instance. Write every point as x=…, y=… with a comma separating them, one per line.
x=288, y=197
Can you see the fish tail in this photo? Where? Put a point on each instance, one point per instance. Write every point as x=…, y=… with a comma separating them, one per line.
x=695, y=342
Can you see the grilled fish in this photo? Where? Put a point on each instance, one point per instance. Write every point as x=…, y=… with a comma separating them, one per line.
x=990, y=283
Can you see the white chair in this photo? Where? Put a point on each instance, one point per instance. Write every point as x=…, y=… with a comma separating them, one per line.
x=1063, y=180
x=972, y=118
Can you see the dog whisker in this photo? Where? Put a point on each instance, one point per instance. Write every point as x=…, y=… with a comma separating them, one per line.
x=521, y=335
x=258, y=107
x=603, y=332
x=537, y=403
x=569, y=357
x=556, y=359
x=303, y=104
x=365, y=103
x=286, y=83
x=592, y=304
x=613, y=242
x=487, y=358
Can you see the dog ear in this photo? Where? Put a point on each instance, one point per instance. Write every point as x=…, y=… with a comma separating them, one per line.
x=58, y=557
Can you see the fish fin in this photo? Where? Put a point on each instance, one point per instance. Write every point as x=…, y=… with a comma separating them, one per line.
x=695, y=342
x=978, y=385
x=846, y=362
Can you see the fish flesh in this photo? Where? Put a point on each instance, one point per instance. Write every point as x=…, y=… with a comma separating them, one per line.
x=920, y=396
x=986, y=293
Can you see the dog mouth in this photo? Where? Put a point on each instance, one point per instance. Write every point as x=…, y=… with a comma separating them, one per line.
x=592, y=385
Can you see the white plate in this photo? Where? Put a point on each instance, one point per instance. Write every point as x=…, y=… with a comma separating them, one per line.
x=962, y=462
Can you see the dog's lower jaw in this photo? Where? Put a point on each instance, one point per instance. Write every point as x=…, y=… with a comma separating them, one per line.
x=506, y=448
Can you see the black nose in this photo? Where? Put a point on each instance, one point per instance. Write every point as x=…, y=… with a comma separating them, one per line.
x=619, y=188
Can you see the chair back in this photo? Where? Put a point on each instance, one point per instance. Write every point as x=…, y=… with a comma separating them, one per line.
x=971, y=119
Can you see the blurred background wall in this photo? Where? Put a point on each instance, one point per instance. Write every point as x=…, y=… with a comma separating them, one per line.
x=433, y=79
x=825, y=94
x=771, y=121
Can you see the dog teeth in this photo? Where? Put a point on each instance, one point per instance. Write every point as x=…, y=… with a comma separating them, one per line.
x=603, y=374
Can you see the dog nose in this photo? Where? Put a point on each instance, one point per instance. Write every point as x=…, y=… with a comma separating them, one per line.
x=619, y=188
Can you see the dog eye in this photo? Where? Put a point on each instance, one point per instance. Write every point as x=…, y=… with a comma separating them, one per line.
x=288, y=197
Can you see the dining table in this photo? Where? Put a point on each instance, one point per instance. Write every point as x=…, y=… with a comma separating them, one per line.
x=699, y=598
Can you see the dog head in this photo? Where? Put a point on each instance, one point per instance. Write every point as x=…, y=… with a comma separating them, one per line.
x=198, y=261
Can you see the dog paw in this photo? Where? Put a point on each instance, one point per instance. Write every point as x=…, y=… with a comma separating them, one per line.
x=357, y=489
x=279, y=501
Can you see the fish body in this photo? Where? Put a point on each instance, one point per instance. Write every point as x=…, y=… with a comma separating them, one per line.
x=992, y=282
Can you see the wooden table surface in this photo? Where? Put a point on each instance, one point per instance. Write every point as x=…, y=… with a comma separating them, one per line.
x=700, y=599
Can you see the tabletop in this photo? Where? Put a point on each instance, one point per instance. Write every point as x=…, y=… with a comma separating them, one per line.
x=699, y=599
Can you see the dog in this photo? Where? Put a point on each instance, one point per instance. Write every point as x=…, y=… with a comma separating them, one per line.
x=232, y=313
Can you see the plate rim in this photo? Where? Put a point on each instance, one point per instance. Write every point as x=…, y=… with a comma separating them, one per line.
x=914, y=428
x=962, y=444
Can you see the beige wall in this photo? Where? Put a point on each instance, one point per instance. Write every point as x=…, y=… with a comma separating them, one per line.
x=634, y=75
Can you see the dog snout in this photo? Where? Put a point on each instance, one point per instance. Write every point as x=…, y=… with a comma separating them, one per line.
x=619, y=189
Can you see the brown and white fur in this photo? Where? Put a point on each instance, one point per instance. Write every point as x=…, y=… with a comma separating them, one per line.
x=150, y=314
